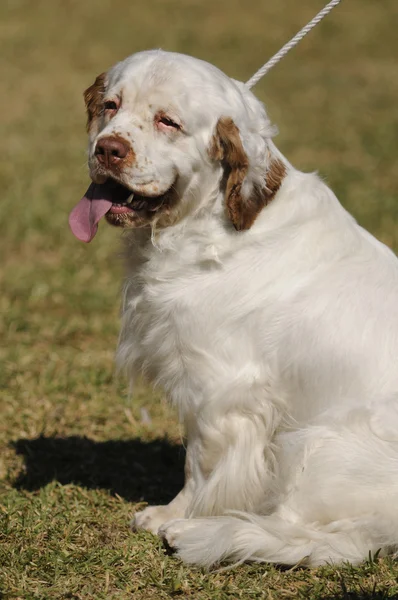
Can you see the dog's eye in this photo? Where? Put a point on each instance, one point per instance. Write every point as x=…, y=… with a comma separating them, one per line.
x=164, y=122
x=168, y=122
x=110, y=105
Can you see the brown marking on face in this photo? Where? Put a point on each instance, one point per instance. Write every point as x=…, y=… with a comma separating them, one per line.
x=93, y=97
x=226, y=146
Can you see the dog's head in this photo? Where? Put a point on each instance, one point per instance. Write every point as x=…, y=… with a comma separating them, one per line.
x=172, y=136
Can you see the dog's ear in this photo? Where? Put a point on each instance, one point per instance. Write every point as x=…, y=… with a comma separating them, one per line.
x=93, y=99
x=242, y=207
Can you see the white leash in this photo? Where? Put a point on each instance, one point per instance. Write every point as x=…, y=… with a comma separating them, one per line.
x=293, y=42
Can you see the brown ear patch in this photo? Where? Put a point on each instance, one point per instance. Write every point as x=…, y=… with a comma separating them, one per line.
x=93, y=98
x=226, y=146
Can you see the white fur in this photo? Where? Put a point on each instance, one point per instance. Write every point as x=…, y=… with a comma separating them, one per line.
x=278, y=345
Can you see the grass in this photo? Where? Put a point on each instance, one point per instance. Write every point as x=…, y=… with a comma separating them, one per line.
x=77, y=457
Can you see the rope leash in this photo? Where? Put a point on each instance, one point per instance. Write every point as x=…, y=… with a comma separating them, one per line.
x=293, y=42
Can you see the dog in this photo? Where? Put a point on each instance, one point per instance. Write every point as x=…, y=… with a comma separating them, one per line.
x=265, y=312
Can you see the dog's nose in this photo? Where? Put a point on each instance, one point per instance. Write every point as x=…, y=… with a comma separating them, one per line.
x=110, y=150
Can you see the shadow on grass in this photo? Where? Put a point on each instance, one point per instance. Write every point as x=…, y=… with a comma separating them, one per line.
x=133, y=469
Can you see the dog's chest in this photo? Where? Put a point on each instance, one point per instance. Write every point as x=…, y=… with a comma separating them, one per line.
x=174, y=328
x=171, y=311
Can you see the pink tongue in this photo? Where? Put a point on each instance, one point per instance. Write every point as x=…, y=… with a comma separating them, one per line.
x=83, y=220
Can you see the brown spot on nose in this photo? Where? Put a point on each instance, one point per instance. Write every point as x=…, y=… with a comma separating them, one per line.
x=111, y=150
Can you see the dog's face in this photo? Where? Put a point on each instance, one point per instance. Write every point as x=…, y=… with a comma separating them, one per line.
x=165, y=130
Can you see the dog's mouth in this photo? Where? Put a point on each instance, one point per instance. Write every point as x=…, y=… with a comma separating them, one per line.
x=125, y=200
x=114, y=200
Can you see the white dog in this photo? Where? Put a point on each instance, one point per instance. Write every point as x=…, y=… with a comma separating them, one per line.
x=268, y=316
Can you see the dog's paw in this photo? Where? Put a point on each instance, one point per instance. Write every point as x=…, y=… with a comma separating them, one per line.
x=151, y=518
x=171, y=531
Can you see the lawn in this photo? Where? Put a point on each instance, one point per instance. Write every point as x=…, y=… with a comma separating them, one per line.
x=77, y=454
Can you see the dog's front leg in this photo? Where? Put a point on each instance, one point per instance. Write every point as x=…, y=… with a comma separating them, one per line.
x=233, y=468
x=232, y=464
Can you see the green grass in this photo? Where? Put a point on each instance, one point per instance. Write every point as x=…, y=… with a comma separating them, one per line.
x=76, y=456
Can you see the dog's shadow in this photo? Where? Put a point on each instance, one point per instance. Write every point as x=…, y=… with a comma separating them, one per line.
x=133, y=469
